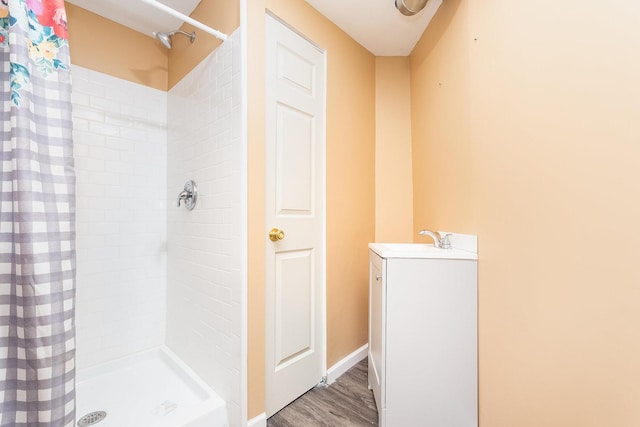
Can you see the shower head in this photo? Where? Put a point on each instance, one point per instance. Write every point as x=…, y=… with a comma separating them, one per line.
x=165, y=38
x=410, y=7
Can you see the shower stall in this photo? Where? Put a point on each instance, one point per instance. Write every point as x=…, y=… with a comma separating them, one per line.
x=159, y=311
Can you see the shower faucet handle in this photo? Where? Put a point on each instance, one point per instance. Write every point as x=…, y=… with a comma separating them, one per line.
x=189, y=195
x=182, y=196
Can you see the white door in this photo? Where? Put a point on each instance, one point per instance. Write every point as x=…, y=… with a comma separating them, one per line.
x=295, y=264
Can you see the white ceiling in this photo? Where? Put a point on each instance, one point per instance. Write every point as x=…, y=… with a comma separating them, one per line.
x=375, y=24
x=138, y=15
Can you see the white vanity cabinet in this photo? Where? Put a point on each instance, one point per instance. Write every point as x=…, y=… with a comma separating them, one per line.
x=423, y=335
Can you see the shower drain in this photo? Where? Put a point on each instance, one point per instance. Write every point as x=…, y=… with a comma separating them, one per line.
x=92, y=418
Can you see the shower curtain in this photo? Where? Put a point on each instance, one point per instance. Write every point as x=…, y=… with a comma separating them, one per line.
x=37, y=218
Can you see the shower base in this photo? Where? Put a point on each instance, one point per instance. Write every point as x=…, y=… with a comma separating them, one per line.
x=153, y=388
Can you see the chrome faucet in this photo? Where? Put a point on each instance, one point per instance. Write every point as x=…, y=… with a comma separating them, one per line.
x=439, y=241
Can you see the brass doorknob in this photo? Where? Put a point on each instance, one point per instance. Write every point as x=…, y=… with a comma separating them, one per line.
x=275, y=235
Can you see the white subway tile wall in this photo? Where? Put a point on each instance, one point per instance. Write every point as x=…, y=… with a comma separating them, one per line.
x=120, y=138
x=204, y=324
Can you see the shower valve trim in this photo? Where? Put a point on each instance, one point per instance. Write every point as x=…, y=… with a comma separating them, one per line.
x=189, y=195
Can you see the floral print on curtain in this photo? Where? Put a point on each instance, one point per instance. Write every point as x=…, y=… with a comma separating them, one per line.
x=37, y=218
x=46, y=28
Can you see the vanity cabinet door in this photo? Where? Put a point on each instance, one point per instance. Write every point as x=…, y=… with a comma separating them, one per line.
x=377, y=320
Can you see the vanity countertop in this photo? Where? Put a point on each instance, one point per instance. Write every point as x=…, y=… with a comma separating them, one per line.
x=420, y=250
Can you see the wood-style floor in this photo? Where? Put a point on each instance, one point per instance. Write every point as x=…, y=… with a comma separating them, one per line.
x=347, y=402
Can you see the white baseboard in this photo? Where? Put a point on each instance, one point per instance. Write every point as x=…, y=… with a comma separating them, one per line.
x=259, y=421
x=347, y=363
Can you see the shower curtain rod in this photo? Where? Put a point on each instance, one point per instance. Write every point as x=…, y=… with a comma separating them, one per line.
x=185, y=18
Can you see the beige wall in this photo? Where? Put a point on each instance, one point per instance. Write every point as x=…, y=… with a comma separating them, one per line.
x=394, y=188
x=440, y=124
x=105, y=46
x=256, y=226
x=108, y=47
x=222, y=15
x=525, y=132
x=350, y=183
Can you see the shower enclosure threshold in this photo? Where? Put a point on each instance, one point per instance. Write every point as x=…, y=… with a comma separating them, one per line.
x=151, y=388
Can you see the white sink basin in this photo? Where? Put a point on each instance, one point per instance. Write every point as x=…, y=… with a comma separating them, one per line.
x=419, y=250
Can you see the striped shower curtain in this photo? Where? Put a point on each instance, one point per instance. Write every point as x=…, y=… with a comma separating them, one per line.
x=37, y=217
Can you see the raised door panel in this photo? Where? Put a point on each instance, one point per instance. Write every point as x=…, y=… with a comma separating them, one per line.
x=294, y=329
x=295, y=162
